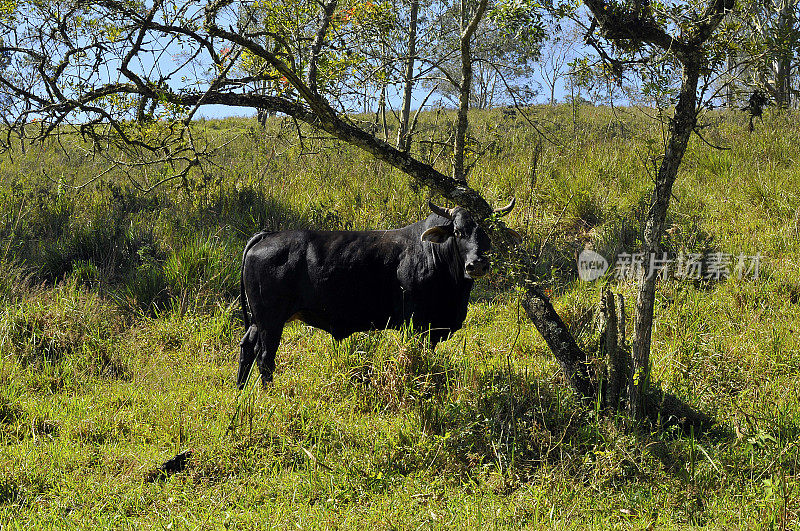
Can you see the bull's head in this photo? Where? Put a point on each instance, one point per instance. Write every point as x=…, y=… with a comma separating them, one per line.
x=472, y=241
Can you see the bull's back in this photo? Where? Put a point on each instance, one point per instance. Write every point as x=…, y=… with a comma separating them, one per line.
x=341, y=282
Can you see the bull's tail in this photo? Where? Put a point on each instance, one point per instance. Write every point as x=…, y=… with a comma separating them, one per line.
x=243, y=300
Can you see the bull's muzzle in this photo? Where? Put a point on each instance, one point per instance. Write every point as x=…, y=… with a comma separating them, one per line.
x=477, y=268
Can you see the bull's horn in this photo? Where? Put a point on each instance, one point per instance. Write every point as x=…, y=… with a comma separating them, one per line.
x=506, y=209
x=444, y=212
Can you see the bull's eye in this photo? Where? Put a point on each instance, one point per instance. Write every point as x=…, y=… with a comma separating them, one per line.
x=458, y=233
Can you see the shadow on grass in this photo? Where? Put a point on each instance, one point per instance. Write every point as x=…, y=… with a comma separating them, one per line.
x=667, y=412
x=508, y=423
x=493, y=427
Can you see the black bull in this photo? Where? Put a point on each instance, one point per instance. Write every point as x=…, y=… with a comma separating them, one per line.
x=350, y=281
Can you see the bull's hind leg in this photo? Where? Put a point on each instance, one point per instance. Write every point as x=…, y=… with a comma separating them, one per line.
x=268, y=340
x=247, y=355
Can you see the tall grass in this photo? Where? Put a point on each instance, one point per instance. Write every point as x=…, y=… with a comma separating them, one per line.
x=119, y=334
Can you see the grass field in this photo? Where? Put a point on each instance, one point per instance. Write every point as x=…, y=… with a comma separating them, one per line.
x=120, y=323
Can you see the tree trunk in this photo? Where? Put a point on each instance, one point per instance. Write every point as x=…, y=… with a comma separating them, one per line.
x=569, y=355
x=459, y=144
x=681, y=127
x=783, y=63
x=729, y=96
x=383, y=114
x=613, y=376
x=463, y=107
x=782, y=80
x=402, y=132
x=262, y=115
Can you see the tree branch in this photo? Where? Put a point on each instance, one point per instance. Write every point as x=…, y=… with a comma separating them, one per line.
x=327, y=15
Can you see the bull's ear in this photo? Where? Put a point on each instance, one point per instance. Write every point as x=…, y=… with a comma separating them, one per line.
x=438, y=234
x=516, y=235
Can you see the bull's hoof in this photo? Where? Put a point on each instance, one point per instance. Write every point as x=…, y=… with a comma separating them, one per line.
x=266, y=380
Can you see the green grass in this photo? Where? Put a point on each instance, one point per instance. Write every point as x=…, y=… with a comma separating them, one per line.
x=119, y=332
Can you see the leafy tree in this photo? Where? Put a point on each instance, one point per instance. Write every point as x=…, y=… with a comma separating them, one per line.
x=677, y=36
x=768, y=53
x=505, y=49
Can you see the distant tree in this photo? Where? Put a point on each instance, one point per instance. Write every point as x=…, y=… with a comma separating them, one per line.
x=505, y=49
x=403, y=129
x=558, y=51
x=770, y=49
x=762, y=45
